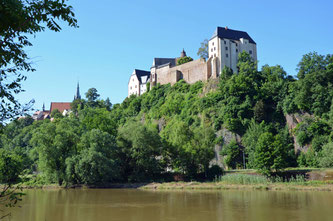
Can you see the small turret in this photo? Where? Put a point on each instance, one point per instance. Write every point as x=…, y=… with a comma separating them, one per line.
x=183, y=53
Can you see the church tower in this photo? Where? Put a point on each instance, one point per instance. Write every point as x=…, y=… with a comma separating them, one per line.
x=77, y=96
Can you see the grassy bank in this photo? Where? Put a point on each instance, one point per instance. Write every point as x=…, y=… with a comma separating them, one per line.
x=247, y=181
x=290, y=179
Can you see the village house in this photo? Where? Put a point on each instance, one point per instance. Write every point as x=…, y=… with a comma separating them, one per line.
x=63, y=107
x=223, y=50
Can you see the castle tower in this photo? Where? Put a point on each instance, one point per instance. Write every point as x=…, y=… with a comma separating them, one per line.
x=183, y=54
x=43, y=106
x=77, y=96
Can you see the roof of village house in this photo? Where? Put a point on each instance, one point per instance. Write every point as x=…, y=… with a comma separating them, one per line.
x=162, y=61
x=61, y=106
x=142, y=75
x=225, y=32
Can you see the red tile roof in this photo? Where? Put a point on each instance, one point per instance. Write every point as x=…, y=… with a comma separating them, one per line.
x=61, y=106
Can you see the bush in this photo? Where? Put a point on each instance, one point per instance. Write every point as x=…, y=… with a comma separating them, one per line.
x=10, y=167
x=233, y=155
x=184, y=60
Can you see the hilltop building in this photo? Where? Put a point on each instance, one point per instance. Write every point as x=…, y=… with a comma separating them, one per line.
x=226, y=44
x=223, y=50
x=137, y=83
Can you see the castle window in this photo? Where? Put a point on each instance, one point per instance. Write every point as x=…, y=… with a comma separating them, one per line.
x=214, y=48
x=214, y=55
x=236, y=45
x=227, y=55
x=225, y=42
x=250, y=51
x=131, y=88
x=236, y=50
x=213, y=43
x=226, y=48
x=135, y=86
x=211, y=50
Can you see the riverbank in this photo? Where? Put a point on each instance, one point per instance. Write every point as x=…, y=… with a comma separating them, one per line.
x=307, y=186
x=291, y=179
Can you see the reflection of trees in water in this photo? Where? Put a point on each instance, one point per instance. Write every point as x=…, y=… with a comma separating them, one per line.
x=122, y=204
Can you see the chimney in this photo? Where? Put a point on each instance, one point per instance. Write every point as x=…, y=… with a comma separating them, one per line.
x=226, y=27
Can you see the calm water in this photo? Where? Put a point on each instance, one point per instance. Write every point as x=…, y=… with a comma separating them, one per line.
x=105, y=204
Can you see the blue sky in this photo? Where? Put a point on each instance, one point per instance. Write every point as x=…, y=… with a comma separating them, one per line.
x=115, y=37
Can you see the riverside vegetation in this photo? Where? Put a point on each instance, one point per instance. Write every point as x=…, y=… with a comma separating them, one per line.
x=174, y=128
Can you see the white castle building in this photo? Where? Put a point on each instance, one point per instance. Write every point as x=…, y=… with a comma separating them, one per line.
x=223, y=50
x=226, y=44
x=137, y=83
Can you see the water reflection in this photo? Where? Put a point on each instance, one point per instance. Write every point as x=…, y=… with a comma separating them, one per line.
x=105, y=204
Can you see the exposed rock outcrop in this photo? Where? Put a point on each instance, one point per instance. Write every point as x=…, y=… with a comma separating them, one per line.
x=292, y=121
x=228, y=136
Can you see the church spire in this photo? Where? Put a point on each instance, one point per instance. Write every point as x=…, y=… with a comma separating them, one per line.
x=77, y=96
x=43, y=106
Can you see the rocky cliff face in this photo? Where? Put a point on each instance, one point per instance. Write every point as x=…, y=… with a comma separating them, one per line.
x=227, y=136
x=292, y=121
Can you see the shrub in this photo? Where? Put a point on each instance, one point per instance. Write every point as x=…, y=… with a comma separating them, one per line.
x=184, y=60
x=326, y=159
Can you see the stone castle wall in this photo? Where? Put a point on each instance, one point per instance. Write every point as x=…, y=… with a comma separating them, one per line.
x=191, y=72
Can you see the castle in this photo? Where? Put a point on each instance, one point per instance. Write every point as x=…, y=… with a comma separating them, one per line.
x=223, y=50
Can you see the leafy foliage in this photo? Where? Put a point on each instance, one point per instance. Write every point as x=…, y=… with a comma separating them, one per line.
x=203, y=50
x=175, y=128
x=184, y=60
x=233, y=155
x=19, y=19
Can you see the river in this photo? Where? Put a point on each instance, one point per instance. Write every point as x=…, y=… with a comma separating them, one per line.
x=137, y=205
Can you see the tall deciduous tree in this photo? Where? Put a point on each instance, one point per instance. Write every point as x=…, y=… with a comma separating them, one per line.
x=18, y=20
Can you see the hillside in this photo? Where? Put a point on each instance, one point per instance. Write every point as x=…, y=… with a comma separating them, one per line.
x=263, y=119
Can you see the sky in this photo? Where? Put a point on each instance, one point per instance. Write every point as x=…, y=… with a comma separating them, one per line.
x=116, y=37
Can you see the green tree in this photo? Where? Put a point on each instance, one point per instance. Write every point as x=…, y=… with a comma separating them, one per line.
x=108, y=104
x=270, y=153
x=56, y=114
x=140, y=149
x=190, y=151
x=96, y=162
x=203, y=50
x=55, y=142
x=20, y=19
x=326, y=156
x=10, y=169
x=97, y=118
x=250, y=139
x=77, y=105
x=92, y=95
x=233, y=154
x=184, y=60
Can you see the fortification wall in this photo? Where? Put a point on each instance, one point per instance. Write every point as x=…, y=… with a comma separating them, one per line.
x=191, y=72
x=163, y=75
